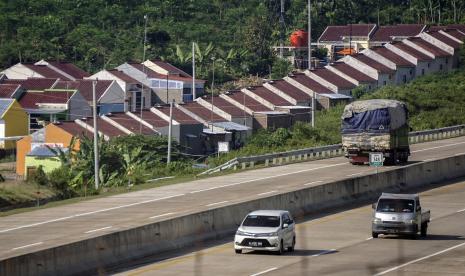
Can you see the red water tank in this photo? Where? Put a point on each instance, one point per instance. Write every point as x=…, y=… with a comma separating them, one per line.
x=299, y=38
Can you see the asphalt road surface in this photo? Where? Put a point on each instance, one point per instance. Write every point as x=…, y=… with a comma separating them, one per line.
x=35, y=230
x=341, y=244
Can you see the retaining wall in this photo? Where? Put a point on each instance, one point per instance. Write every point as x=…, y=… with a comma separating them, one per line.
x=93, y=255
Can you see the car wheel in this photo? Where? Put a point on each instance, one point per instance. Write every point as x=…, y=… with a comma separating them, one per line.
x=374, y=235
x=291, y=248
x=238, y=251
x=424, y=230
x=281, y=248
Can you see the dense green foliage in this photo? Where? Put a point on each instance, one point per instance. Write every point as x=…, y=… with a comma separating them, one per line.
x=433, y=101
x=97, y=34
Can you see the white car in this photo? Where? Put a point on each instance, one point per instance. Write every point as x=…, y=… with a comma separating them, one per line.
x=266, y=230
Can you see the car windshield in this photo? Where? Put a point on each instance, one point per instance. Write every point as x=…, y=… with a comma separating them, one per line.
x=261, y=221
x=395, y=205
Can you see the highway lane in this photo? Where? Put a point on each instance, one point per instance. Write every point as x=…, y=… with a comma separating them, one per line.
x=45, y=228
x=341, y=244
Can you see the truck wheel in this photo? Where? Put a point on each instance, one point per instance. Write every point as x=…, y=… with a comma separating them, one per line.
x=424, y=230
x=374, y=235
x=238, y=251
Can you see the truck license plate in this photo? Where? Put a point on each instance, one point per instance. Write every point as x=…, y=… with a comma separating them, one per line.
x=255, y=244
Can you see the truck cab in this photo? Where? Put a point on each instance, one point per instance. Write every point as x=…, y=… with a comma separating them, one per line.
x=399, y=214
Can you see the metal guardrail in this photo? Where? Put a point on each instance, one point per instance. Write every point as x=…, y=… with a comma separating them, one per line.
x=327, y=151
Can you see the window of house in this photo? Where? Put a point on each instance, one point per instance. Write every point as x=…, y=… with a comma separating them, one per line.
x=411, y=72
x=428, y=64
x=422, y=71
x=447, y=60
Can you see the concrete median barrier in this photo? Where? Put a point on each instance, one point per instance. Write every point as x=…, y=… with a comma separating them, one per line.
x=94, y=255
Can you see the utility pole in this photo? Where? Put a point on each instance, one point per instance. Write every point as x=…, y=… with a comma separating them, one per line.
x=193, y=71
x=309, y=42
x=170, y=127
x=309, y=39
x=94, y=109
x=213, y=87
x=281, y=22
x=143, y=71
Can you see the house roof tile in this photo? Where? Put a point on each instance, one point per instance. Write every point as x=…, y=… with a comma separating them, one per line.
x=178, y=115
x=310, y=83
x=460, y=27
x=388, y=33
x=30, y=100
x=246, y=100
x=290, y=90
x=225, y=106
x=333, y=78
x=105, y=127
x=352, y=72
x=7, y=90
x=411, y=51
x=455, y=33
x=130, y=123
x=437, y=52
x=74, y=129
x=374, y=64
x=443, y=38
x=70, y=69
x=85, y=87
x=336, y=33
x=152, y=118
x=170, y=68
x=45, y=71
x=33, y=83
x=395, y=58
x=269, y=96
x=203, y=112
x=123, y=76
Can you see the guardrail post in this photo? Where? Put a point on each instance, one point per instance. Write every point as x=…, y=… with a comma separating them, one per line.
x=280, y=160
x=235, y=167
x=305, y=156
x=287, y=159
x=244, y=165
x=252, y=164
x=299, y=157
x=275, y=161
x=267, y=162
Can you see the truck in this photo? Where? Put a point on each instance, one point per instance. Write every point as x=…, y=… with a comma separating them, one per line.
x=399, y=214
x=376, y=125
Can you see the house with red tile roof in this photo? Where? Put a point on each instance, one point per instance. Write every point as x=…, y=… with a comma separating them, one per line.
x=109, y=95
x=386, y=34
x=10, y=91
x=53, y=104
x=447, y=42
x=459, y=27
x=131, y=87
x=352, y=75
x=290, y=93
x=128, y=124
x=383, y=74
x=225, y=109
x=167, y=83
x=244, y=102
x=265, y=97
x=45, y=69
x=442, y=60
x=422, y=62
x=351, y=36
x=32, y=84
x=324, y=97
x=404, y=69
x=332, y=81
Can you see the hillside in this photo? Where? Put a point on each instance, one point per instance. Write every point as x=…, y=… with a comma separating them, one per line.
x=97, y=34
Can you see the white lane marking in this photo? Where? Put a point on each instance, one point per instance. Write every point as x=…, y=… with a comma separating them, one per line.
x=264, y=271
x=459, y=211
x=354, y=174
x=430, y=159
x=324, y=252
x=29, y=245
x=314, y=182
x=457, y=154
x=370, y=238
x=89, y=213
x=438, y=147
x=216, y=203
x=99, y=229
x=266, y=193
x=268, y=177
x=420, y=259
x=162, y=215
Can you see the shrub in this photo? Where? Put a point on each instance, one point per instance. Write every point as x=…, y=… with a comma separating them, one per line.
x=59, y=180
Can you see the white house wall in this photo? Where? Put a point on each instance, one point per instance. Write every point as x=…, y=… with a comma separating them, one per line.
x=114, y=94
x=78, y=107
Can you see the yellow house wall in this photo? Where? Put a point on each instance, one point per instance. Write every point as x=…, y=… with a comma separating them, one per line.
x=16, y=123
